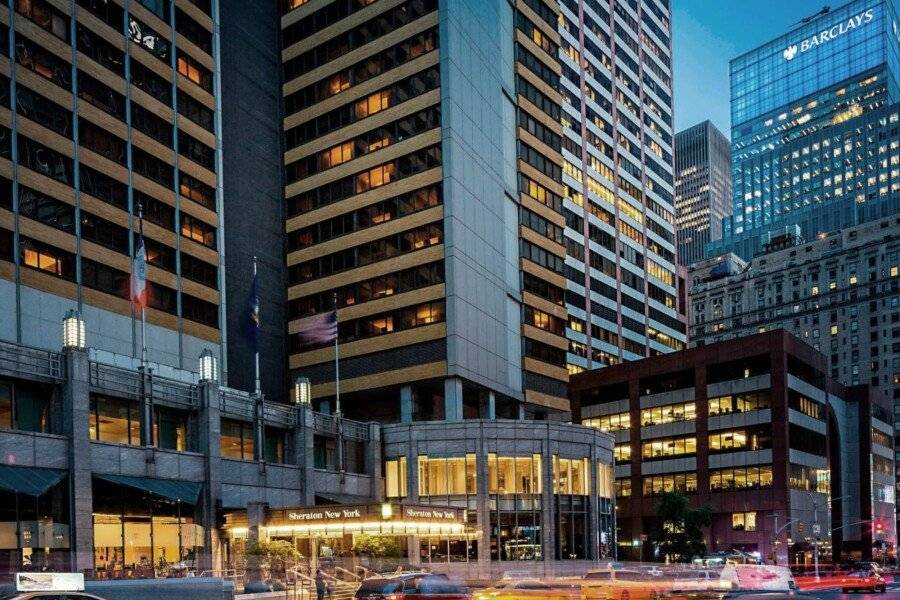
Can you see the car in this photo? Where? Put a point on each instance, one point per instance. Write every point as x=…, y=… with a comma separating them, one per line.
x=862, y=581
x=618, y=584
x=49, y=596
x=700, y=580
x=411, y=586
x=527, y=589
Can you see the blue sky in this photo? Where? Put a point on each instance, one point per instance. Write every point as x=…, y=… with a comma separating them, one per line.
x=709, y=33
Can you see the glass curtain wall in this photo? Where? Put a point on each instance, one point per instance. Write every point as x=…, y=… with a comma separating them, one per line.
x=515, y=486
x=34, y=530
x=571, y=489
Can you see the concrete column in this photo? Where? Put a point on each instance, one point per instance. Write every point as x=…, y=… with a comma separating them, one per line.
x=256, y=518
x=483, y=506
x=406, y=404
x=209, y=444
x=548, y=507
x=75, y=425
x=453, y=399
x=304, y=445
x=374, y=457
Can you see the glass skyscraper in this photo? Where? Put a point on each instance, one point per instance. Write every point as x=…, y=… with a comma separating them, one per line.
x=794, y=102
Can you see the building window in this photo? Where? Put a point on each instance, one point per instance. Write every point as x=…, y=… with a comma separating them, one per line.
x=623, y=488
x=622, y=453
x=805, y=405
x=236, y=440
x=610, y=423
x=743, y=521
x=170, y=429
x=509, y=475
x=670, y=413
x=740, y=439
x=739, y=403
x=571, y=476
x=198, y=231
x=664, y=448
x=447, y=476
x=683, y=483
x=605, y=487
x=809, y=479
x=274, y=443
x=723, y=480
x=24, y=406
x=115, y=420
x=395, y=478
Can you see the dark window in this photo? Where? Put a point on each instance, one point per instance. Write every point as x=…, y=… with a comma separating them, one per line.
x=193, y=31
x=158, y=254
x=101, y=96
x=101, y=51
x=148, y=81
x=195, y=150
x=43, y=111
x=151, y=167
x=148, y=39
x=155, y=211
x=195, y=111
x=103, y=187
x=38, y=157
x=49, y=211
x=201, y=311
x=44, y=63
x=102, y=141
x=107, y=11
x=103, y=232
x=146, y=122
x=104, y=278
x=199, y=270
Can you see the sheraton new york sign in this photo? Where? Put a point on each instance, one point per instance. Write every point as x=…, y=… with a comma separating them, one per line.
x=827, y=35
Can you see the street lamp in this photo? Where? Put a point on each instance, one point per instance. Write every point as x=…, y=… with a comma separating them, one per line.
x=208, y=366
x=302, y=390
x=73, y=330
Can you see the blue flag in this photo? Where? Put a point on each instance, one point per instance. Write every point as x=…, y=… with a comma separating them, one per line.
x=251, y=320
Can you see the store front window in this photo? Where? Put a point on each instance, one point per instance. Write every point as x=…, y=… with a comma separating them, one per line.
x=441, y=549
x=571, y=476
x=571, y=487
x=236, y=439
x=453, y=476
x=25, y=405
x=515, y=486
x=141, y=535
x=395, y=478
x=34, y=522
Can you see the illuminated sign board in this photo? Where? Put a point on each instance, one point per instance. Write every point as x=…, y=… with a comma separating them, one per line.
x=320, y=515
x=827, y=35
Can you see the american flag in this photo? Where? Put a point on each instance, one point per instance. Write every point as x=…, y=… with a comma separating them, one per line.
x=318, y=329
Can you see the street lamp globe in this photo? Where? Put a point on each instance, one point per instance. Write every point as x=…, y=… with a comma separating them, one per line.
x=73, y=330
x=208, y=366
x=302, y=390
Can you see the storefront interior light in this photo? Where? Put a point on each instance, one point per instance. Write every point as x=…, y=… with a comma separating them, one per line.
x=387, y=511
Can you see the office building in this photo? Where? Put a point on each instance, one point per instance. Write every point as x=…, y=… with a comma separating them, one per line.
x=106, y=111
x=809, y=146
x=437, y=160
x=702, y=188
x=754, y=428
x=839, y=293
x=81, y=489
x=622, y=284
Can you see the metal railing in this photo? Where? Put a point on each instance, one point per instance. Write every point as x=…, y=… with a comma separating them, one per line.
x=328, y=424
x=18, y=360
x=115, y=380
x=280, y=414
x=236, y=403
x=175, y=392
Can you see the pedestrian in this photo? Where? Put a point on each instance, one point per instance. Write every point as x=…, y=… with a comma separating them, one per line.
x=321, y=585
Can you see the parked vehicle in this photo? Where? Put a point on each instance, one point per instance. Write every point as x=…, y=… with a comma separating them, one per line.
x=531, y=589
x=619, y=584
x=412, y=586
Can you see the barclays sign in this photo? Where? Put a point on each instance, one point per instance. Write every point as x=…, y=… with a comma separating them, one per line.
x=827, y=35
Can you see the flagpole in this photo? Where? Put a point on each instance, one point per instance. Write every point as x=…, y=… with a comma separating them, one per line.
x=143, y=315
x=258, y=388
x=337, y=364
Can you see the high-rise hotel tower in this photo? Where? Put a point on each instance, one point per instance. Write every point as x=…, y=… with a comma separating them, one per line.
x=106, y=106
x=484, y=188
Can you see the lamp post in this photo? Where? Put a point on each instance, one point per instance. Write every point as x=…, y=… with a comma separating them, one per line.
x=73, y=330
x=208, y=367
x=302, y=393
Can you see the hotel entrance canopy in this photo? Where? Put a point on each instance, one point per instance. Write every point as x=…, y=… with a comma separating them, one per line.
x=371, y=519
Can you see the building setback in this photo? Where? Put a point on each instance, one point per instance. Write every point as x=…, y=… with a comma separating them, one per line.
x=809, y=146
x=756, y=429
x=113, y=110
x=702, y=188
x=438, y=157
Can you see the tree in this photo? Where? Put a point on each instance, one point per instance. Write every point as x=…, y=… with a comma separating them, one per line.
x=679, y=533
x=267, y=556
x=376, y=546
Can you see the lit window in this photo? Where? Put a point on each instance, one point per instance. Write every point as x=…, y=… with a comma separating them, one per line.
x=395, y=478
x=834, y=330
x=372, y=104
x=337, y=155
x=514, y=474
x=447, y=476
x=743, y=521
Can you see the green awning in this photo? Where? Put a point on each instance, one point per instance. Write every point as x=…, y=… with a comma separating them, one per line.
x=170, y=489
x=31, y=481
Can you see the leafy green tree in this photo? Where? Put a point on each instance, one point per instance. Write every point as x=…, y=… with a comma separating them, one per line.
x=679, y=533
x=376, y=546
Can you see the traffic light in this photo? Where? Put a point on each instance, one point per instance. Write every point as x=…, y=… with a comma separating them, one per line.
x=879, y=529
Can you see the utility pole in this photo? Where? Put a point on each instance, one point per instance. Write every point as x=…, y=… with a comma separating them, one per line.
x=816, y=537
